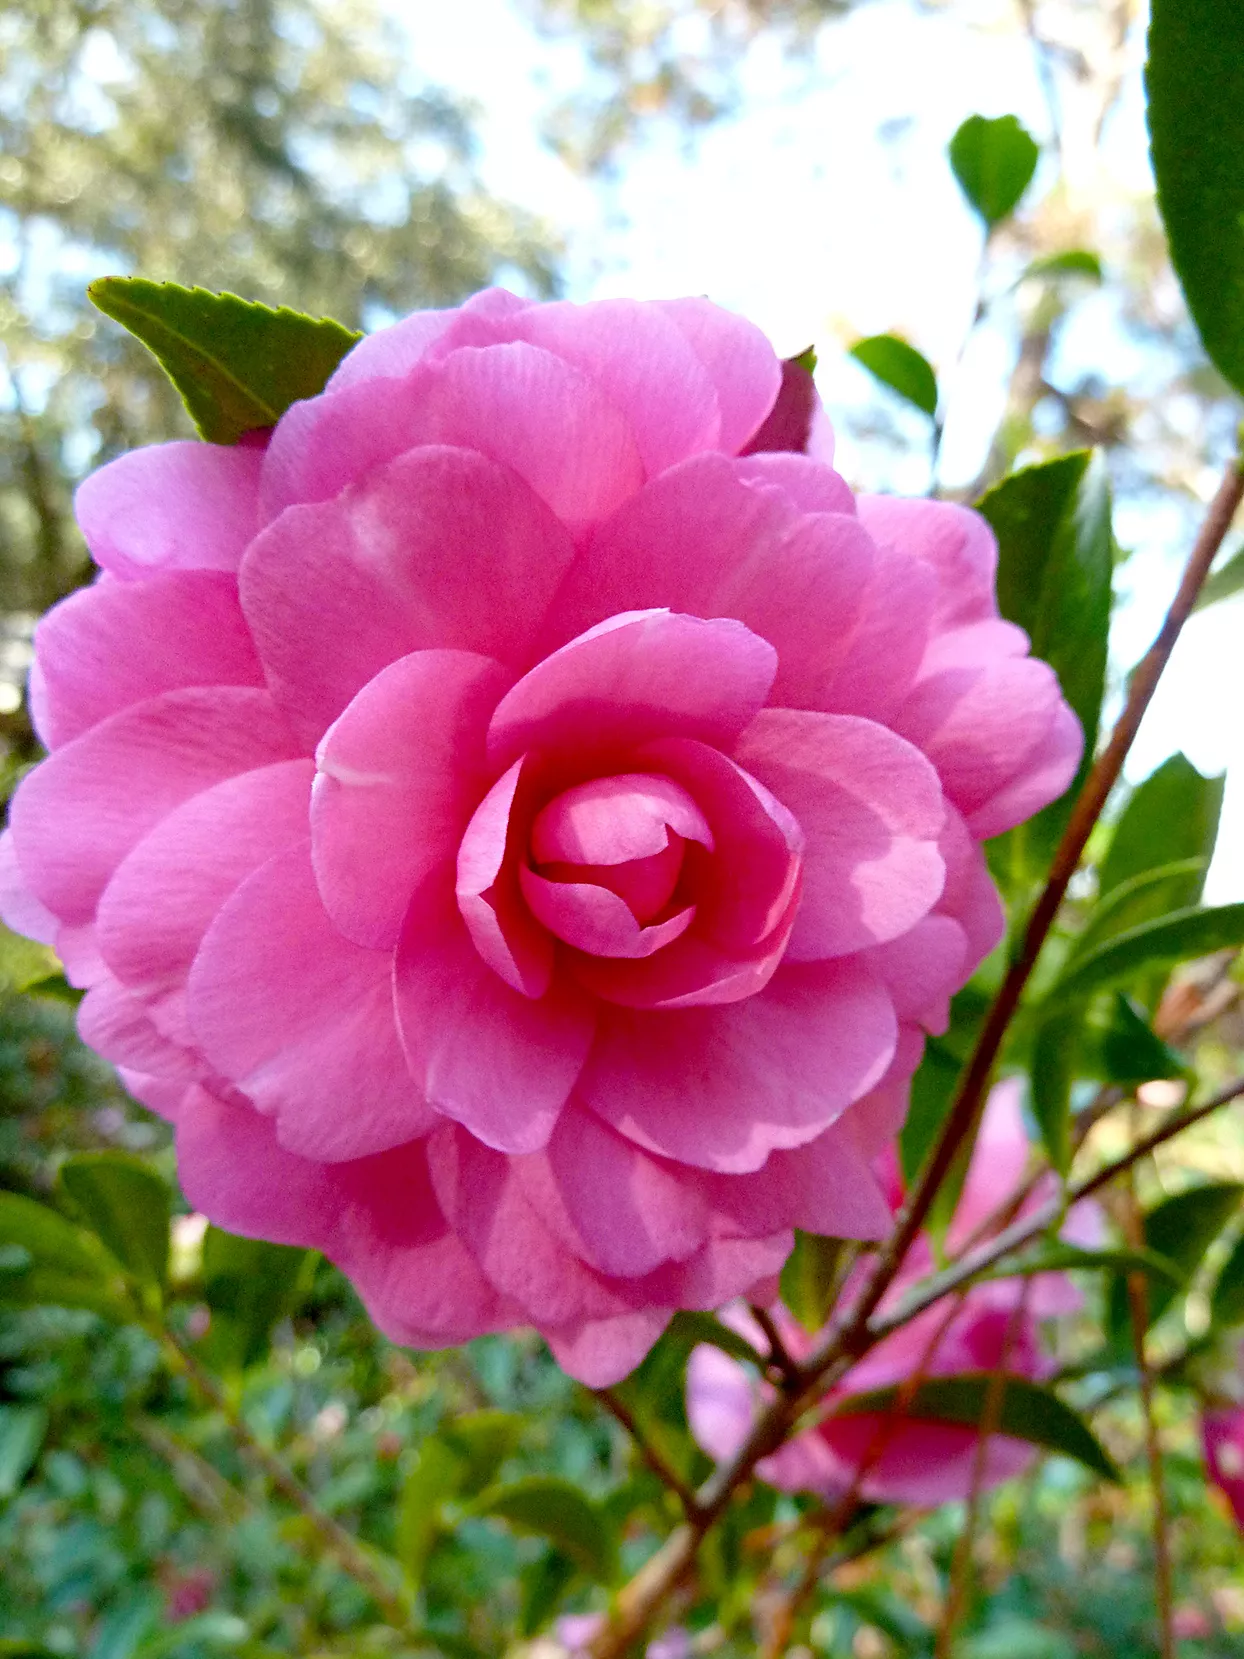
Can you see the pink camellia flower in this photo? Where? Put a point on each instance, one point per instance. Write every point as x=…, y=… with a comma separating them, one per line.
x=996, y=1324
x=518, y=820
x=1222, y=1434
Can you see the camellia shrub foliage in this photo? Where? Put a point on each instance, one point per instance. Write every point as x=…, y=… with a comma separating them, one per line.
x=560, y=862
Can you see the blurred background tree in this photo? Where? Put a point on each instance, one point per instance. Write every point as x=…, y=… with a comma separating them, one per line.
x=284, y=149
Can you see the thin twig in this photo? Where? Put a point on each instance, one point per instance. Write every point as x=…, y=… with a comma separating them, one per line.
x=346, y=1550
x=660, y=1468
x=1138, y=1308
x=961, y=1565
x=779, y=1354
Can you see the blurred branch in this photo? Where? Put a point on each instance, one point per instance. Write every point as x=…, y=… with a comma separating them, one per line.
x=660, y=1468
x=778, y=1354
x=346, y=1550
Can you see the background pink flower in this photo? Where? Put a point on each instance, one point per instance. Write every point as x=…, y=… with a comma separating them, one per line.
x=996, y=1324
x=1222, y=1434
x=518, y=823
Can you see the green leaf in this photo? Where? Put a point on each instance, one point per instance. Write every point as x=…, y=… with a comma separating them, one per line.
x=1180, y=1229
x=237, y=365
x=1141, y=899
x=249, y=1285
x=1131, y=1050
x=434, y=1479
x=1055, y=1052
x=61, y=1265
x=128, y=1207
x=1066, y=1258
x=810, y=1278
x=1170, y=818
x=482, y=1440
x=22, y=1432
x=655, y=1392
x=555, y=1509
x=1025, y=1411
x=1180, y=937
x=687, y=1330
x=994, y=162
x=1195, y=84
x=1076, y=262
x=893, y=362
x=1227, y=1302
x=805, y=359
x=1223, y=583
x=1055, y=573
x=24, y=962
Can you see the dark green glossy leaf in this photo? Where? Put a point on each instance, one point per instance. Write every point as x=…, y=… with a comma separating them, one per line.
x=1025, y=1411
x=810, y=1278
x=249, y=1285
x=1076, y=262
x=434, y=1479
x=1054, y=1055
x=1137, y=900
x=655, y=1392
x=22, y=1432
x=1066, y=1258
x=1181, y=937
x=51, y=1263
x=1228, y=1299
x=1170, y=818
x=126, y=1205
x=933, y=1086
x=1131, y=1050
x=1055, y=573
x=1195, y=84
x=687, y=1329
x=1180, y=1229
x=555, y=1509
x=237, y=365
x=482, y=1440
x=994, y=162
x=1223, y=583
x=893, y=362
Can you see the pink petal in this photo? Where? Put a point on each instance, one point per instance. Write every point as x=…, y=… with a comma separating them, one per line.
x=999, y=1160
x=655, y=1211
x=811, y=486
x=118, y=642
x=159, y=904
x=535, y=413
x=723, y=1400
x=72, y=822
x=876, y=666
x=823, y=1187
x=871, y=810
x=1047, y=772
x=595, y=920
x=117, y=1025
x=922, y=969
x=441, y=549
x=791, y=421
x=615, y=819
x=391, y=353
x=922, y=1463
x=496, y=914
x=644, y=364
x=232, y=1168
x=638, y=676
x=603, y=1351
x=723, y=1088
x=19, y=908
x=979, y=722
x=970, y=896
x=399, y=774
x=956, y=543
x=496, y=1061
x=177, y=506
x=753, y=875
x=431, y=1295
x=302, y=1020
x=687, y=972
x=742, y=364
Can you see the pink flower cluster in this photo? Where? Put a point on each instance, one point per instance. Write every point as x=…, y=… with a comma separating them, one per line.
x=518, y=820
x=995, y=1325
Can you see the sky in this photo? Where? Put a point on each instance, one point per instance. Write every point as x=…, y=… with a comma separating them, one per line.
x=825, y=210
